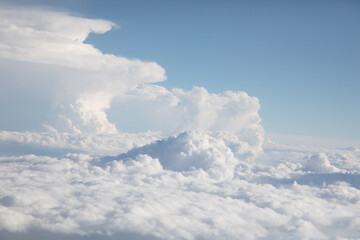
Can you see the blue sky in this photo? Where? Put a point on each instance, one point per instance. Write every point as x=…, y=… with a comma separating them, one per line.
x=112, y=150
x=300, y=58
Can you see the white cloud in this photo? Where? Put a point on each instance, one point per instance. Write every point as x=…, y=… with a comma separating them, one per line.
x=319, y=163
x=160, y=110
x=57, y=65
x=91, y=109
x=77, y=194
x=54, y=142
x=81, y=84
x=49, y=37
x=191, y=151
x=212, y=181
x=195, y=110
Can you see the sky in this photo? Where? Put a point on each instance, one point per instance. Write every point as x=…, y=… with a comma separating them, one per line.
x=179, y=120
x=300, y=58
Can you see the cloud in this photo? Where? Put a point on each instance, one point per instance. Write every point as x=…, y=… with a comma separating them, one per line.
x=191, y=151
x=177, y=110
x=91, y=109
x=59, y=143
x=79, y=86
x=56, y=64
x=159, y=110
x=82, y=195
x=57, y=38
x=319, y=163
x=201, y=172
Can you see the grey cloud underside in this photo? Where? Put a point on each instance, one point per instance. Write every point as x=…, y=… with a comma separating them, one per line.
x=41, y=234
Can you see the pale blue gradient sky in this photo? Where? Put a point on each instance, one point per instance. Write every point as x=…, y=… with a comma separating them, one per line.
x=300, y=58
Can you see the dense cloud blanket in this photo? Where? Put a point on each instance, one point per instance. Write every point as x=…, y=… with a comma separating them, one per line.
x=190, y=186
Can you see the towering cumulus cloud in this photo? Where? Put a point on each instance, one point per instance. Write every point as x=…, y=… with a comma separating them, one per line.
x=55, y=62
x=91, y=148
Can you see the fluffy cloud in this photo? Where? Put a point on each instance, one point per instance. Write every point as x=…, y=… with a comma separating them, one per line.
x=87, y=127
x=57, y=65
x=210, y=179
x=81, y=195
x=191, y=151
x=232, y=115
x=81, y=85
x=319, y=163
x=196, y=110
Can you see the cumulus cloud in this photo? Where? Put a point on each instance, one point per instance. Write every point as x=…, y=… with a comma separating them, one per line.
x=319, y=163
x=78, y=194
x=56, y=64
x=80, y=85
x=200, y=173
x=87, y=126
x=195, y=110
x=91, y=109
x=191, y=151
x=160, y=110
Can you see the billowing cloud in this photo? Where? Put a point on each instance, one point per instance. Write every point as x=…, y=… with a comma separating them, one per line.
x=231, y=115
x=199, y=170
x=80, y=84
x=319, y=163
x=57, y=65
x=82, y=195
x=196, y=110
x=191, y=151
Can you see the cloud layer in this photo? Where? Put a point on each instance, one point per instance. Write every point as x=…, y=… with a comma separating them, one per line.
x=79, y=194
x=198, y=170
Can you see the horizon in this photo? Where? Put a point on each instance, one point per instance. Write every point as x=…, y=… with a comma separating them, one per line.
x=179, y=120
x=304, y=85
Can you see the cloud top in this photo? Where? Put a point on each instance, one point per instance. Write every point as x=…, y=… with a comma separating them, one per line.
x=319, y=163
x=191, y=151
x=49, y=37
x=72, y=79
